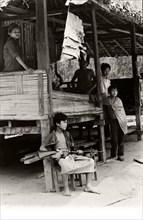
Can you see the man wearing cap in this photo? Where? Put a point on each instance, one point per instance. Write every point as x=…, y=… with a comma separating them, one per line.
x=12, y=52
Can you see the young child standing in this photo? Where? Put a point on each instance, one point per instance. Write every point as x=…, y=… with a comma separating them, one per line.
x=116, y=116
x=69, y=163
x=105, y=81
x=12, y=52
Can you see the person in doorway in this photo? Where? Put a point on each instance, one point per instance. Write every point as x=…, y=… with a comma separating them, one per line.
x=105, y=81
x=85, y=78
x=11, y=51
x=69, y=163
x=93, y=96
x=115, y=113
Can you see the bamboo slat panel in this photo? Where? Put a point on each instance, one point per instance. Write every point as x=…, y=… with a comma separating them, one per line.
x=14, y=106
x=26, y=106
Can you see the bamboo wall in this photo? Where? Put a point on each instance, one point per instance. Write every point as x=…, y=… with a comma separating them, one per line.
x=19, y=99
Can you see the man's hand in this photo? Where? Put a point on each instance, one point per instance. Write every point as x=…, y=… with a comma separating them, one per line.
x=57, y=156
x=42, y=148
x=79, y=152
x=30, y=71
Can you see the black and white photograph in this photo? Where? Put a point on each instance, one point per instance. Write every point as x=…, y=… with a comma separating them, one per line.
x=71, y=109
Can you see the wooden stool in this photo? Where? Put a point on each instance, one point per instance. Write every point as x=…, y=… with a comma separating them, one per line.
x=51, y=171
x=73, y=177
x=55, y=169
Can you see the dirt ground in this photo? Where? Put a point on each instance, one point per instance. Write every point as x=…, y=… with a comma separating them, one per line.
x=119, y=183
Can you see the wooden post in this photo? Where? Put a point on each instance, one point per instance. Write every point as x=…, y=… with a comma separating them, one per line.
x=47, y=174
x=2, y=150
x=1, y=47
x=98, y=74
x=43, y=60
x=136, y=83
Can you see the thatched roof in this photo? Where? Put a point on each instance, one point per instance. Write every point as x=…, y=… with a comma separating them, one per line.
x=113, y=25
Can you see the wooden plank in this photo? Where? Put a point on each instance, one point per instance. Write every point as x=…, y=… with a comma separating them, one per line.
x=19, y=84
x=86, y=144
x=27, y=156
x=19, y=130
x=69, y=96
x=24, y=72
x=40, y=95
x=27, y=117
x=32, y=160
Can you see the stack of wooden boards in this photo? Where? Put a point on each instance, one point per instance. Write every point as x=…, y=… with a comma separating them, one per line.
x=36, y=156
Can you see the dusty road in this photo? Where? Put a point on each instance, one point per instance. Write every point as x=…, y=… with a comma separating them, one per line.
x=119, y=184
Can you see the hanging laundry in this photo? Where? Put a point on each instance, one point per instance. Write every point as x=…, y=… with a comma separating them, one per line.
x=76, y=2
x=73, y=37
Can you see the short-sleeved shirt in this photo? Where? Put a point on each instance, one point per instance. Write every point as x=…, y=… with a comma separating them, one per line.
x=10, y=51
x=84, y=79
x=105, y=83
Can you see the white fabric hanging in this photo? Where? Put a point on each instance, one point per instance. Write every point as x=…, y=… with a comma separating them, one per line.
x=76, y=2
x=73, y=37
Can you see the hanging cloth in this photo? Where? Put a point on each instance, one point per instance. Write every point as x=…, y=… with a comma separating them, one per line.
x=73, y=37
x=76, y=2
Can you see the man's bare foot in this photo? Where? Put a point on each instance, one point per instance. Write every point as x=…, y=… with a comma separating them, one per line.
x=90, y=190
x=66, y=192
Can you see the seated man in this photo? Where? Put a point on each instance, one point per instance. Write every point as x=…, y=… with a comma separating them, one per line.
x=85, y=78
x=69, y=163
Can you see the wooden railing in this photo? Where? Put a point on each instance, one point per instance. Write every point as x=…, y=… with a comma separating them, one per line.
x=14, y=73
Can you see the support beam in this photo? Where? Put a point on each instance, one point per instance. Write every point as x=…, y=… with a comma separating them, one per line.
x=124, y=31
x=122, y=48
x=2, y=150
x=136, y=82
x=16, y=10
x=96, y=53
x=141, y=46
x=73, y=9
x=98, y=74
x=104, y=48
x=105, y=19
x=43, y=60
x=1, y=46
